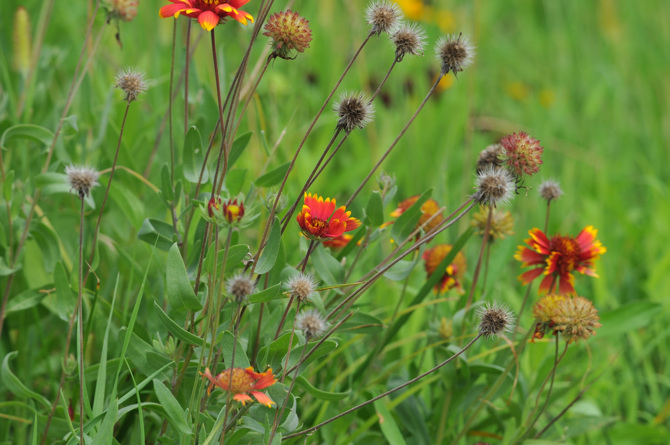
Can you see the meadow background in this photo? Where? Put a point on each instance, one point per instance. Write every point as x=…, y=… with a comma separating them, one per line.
x=590, y=80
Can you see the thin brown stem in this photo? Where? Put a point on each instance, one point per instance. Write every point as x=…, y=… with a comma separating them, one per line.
x=80, y=322
x=475, y=277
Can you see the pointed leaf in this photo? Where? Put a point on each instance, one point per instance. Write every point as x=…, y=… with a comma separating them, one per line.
x=319, y=394
x=327, y=267
x=179, y=289
x=176, y=415
x=271, y=250
x=273, y=177
x=175, y=329
x=264, y=296
x=374, y=212
x=194, y=157
x=238, y=147
x=157, y=233
x=15, y=386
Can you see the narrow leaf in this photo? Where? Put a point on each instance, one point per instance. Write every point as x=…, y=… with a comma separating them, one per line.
x=194, y=156
x=264, y=296
x=176, y=415
x=175, y=329
x=271, y=250
x=273, y=177
x=179, y=289
x=15, y=386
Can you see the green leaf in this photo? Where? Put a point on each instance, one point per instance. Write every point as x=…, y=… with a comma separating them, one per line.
x=65, y=298
x=26, y=131
x=166, y=184
x=325, y=348
x=25, y=300
x=264, y=296
x=5, y=269
x=47, y=240
x=194, y=157
x=176, y=415
x=236, y=254
x=238, y=147
x=401, y=269
x=175, y=329
x=374, y=212
x=12, y=383
x=407, y=221
x=629, y=317
x=273, y=177
x=241, y=360
x=235, y=180
x=327, y=267
x=362, y=323
x=157, y=233
x=179, y=289
x=319, y=394
x=105, y=434
x=388, y=425
x=8, y=185
x=271, y=250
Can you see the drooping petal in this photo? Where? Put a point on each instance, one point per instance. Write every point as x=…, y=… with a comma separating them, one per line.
x=546, y=284
x=208, y=20
x=172, y=10
x=530, y=275
x=262, y=398
x=566, y=285
x=242, y=398
x=529, y=257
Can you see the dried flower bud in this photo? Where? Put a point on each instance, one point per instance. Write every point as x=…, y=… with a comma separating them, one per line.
x=491, y=155
x=21, y=41
x=132, y=82
x=240, y=287
x=354, y=110
x=125, y=10
x=312, y=323
x=494, y=186
x=522, y=153
x=386, y=181
x=574, y=318
x=408, y=39
x=550, y=190
x=496, y=320
x=301, y=286
x=455, y=53
x=81, y=179
x=383, y=16
x=288, y=31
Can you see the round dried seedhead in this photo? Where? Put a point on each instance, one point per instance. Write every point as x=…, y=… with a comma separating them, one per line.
x=240, y=287
x=490, y=156
x=301, y=286
x=288, y=31
x=354, y=110
x=496, y=320
x=132, y=82
x=408, y=39
x=550, y=190
x=81, y=179
x=494, y=186
x=455, y=53
x=383, y=16
x=312, y=323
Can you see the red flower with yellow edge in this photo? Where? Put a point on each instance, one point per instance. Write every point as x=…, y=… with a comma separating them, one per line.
x=320, y=221
x=453, y=273
x=428, y=210
x=233, y=211
x=558, y=257
x=243, y=382
x=208, y=12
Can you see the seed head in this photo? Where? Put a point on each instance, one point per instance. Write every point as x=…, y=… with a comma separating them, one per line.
x=494, y=186
x=383, y=16
x=354, y=110
x=408, y=39
x=240, y=287
x=550, y=189
x=502, y=223
x=132, y=82
x=491, y=155
x=81, y=179
x=496, y=320
x=125, y=10
x=522, y=153
x=288, y=31
x=301, y=286
x=455, y=53
x=574, y=318
x=311, y=322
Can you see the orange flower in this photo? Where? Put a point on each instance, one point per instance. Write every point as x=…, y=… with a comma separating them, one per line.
x=244, y=382
x=208, y=12
x=454, y=272
x=558, y=257
x=319, y=221
x=428, y=209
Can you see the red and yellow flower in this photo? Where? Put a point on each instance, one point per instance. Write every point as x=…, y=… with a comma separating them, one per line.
x=243, y=382
x=454, y=271
x=429, y=212
x=320, y=221
x=209, y=13
x=339, y=242
x=558, y=257
x=233, y=211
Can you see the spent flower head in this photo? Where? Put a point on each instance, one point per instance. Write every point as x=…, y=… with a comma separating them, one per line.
x=574, y=318
x=355, y=111
x=494, y=186
x=496, y=319
x=522, y=153
x=455, y=53
x=383, y=15
x=81, y=179
x=209, y=13
x=490, y=156
x=550, y=190
x=408, y=39
x=301, y=286
x=240, y=287
x=288, y=31
x=502, y=223
x=125, y=10
x=132, y=82
x=312, y=323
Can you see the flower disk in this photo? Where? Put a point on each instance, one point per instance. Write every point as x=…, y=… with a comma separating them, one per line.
x=209, y=13
x=383, y=16
x=502, y=223
x=125, y=10
x=354, y=110
x=408, y=39
x=557, y=257
x=455, y=53
x=522, y=153
x=242, y=382
x=288, y=31
x=320, y=221
x=132, y=82
x=81, y=179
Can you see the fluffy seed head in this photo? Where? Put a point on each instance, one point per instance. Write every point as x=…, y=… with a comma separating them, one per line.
x=455, y=53
x=312, y=323
x=522, y=153
x=81, y=179
x=496, y=320
x=491, y=155
x=408, y=39
x=240, y=287
x=354, y=110
x=132, y=82
x=382, y=16
x=550, y=189
x=494, y=186
x=125, y=10
x=288, y=31
x=301, y=286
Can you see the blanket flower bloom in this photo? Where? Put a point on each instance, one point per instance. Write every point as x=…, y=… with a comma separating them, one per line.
x=320, y=221
x=244, y=382
x=429, y=212
x=558, y=257
x=453, y=273
x=209, y=13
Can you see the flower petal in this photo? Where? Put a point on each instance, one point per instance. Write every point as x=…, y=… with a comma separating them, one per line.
x=530, y=275
x=208, y=20
x=241, y=397
x=172, y=10
x=262, y=398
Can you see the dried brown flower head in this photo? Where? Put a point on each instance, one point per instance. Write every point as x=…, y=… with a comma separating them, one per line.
x=81, y=179
x=495, y=320
x=383, y=16
x=490, y=156
x=288, y=31
x=550, y=190
x=494, y=186
x=132, y=82
x=312, y=323
x=301, y=286
x=574, y=318
x=455, y=53
x=354, y=110
x=408, y=39
x=240, y=287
